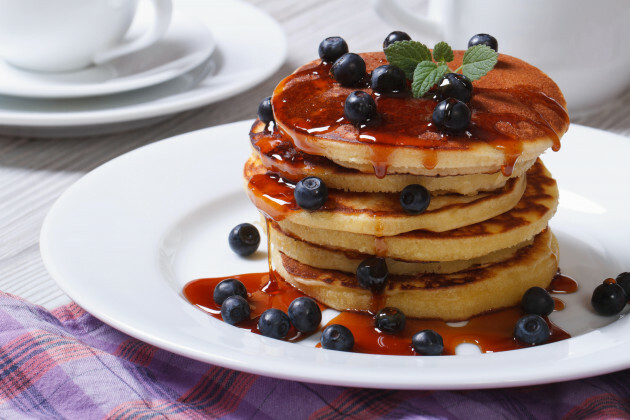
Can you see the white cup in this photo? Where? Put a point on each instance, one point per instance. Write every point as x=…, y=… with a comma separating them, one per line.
x=581, y=44
x=65, y=35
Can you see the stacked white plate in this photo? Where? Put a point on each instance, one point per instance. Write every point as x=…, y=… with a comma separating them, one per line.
x=207, y=54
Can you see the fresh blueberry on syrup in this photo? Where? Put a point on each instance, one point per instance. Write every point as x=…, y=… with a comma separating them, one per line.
x=428, y=343
x=537, y=300
x=348, y=69
x=274, y=323
x=305, y=314
x=244, y=239
x=359, y=107
x=395, y=37
x=484, y=39
x=531, y=329
x=337, y=337
x=332, y=48
x=310, y=193
x=227, y=288
x=623, y=280
x=388, y=79
x=235, y=309
x=372, y=273
x=454, y=85
x=415, y=199
x=451, y=114
x=390, y=320
x=608, y=299
x=265, y=112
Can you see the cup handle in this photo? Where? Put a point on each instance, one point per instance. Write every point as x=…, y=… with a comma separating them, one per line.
x=163, y=10
x=395, y=15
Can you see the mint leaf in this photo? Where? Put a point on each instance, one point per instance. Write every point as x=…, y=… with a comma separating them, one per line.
x=425, y=75
x=407, y=55
x=478, y=61
x=443, y=52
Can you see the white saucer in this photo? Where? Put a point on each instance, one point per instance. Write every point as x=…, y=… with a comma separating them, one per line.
x=250, y=47
x=187, y=43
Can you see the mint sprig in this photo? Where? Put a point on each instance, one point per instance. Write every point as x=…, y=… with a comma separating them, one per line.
x=426, y=74
x=478, y=61
x=443, y=52
x=407, y=55
x=425, y=69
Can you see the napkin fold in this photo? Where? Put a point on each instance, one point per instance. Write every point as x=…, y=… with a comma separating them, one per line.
x=66, y=364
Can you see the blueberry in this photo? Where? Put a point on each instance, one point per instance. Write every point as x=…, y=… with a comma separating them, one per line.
x=531, y=329
x=372, y=273
x=265, y=112
x=348, y=69
x=388, y=79
x=227, y=288
x=395, y=37
x=310, y=193
x=332, y=48
x=537, y=300
x=235, y=309
x=274, y=323
x=484, y=39
x=337, y=337
x=454, y=85
x=390, y=320
x=608, y=299
x=415, y=199
x=428, y=343
x=452, y=115
x=623, y=280
x=359, y=107
x=244, y=239
x=305, y=314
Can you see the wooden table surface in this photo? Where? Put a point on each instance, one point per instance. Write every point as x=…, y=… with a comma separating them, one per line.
x=34, y=172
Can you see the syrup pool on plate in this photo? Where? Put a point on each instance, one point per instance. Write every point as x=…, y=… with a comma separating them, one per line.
x=491, y=332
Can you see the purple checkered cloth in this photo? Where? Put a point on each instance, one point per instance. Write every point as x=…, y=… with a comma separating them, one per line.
x=66, y=364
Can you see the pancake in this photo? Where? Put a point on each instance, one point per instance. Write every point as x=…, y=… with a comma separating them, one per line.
x=279, y=156
x=528, y=218
x=450, y=297
x=517, y=113
x=377, y=213
x=484, y=239
x=333, y=259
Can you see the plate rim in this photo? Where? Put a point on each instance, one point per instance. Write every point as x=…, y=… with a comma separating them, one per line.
x=611, y=363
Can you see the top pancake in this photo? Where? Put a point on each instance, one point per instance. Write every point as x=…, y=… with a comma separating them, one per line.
x=517, y=113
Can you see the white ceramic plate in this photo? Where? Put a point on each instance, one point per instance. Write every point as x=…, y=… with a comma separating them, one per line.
x=186, y=44
x=125, y=239
x=250, y=47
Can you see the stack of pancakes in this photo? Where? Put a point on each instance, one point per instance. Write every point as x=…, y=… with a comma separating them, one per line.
x=483, y=240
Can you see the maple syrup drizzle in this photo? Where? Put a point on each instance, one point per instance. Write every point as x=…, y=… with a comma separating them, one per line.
x=492, y=332
x=380, y=246
x=272, y=195
x=430, y=159
x=562, y=284
x=264, y=292
x=380, y=166
x=310, y=105
x=558, y=304
x=281, y=157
